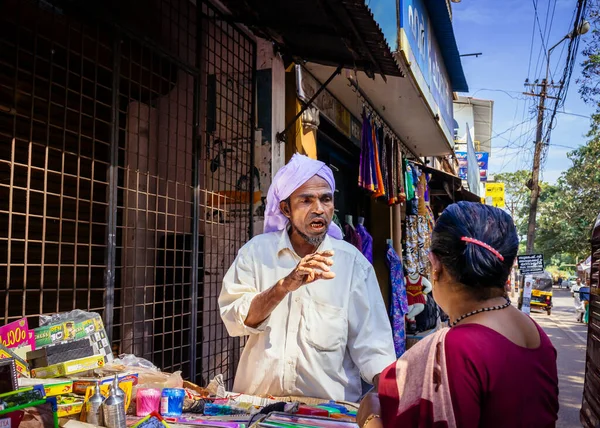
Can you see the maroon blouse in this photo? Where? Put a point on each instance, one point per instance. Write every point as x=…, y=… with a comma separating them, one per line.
x=493, y=383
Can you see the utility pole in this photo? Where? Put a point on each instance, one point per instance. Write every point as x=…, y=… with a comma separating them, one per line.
x=581, y=27
x=535, y=177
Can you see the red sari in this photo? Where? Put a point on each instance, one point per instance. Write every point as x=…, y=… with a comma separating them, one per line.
x=492, y=382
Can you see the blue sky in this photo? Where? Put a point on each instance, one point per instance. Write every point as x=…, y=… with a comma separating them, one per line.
x=502, y=31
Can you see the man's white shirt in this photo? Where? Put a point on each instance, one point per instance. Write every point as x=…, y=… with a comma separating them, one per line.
x=321, y=338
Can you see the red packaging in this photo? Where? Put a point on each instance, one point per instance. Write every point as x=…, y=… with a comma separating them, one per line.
x=312, y=411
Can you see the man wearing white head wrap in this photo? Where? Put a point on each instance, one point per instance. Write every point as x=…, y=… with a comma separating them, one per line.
x=308, y=301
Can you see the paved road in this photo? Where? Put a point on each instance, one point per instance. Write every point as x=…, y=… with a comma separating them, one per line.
x=570, y=338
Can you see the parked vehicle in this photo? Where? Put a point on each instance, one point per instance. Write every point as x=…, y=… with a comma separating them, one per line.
x=590, y=408
x=541, y=294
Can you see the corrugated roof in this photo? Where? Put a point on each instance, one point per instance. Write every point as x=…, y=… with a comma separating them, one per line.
x=330, y=32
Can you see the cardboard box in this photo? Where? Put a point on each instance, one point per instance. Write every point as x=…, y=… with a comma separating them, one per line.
x=80, y=385
x=68, y=406
x=22, y=366
x=69, y=367
x=60, y=352
x=52, y=387
x=55, y=333
x=59, y=388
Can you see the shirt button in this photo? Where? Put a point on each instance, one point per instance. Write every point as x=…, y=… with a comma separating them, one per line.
x=297, y=300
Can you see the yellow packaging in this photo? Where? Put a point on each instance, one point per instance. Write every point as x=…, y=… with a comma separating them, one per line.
x=68, y=406
x=126, y=386
x=80, y=385
x=22, y=366
x=69, y=367
x=59, y=388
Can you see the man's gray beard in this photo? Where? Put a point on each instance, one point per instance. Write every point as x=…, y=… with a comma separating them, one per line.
x=315, y=241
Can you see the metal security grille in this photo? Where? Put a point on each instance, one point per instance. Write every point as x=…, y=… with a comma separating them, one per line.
x=155, y=197
x=55, y=113
x=227, y=176
x=126, y=171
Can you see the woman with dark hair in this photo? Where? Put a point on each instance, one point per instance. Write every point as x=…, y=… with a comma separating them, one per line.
x=494, y=366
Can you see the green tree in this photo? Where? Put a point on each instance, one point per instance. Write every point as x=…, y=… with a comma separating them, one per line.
x=517, y=194
x=589, y=82
x=568, y=209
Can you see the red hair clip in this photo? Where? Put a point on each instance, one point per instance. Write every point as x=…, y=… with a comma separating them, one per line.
x=484, y=245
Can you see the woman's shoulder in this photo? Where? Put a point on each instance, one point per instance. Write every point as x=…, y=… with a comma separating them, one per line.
x=476, y=339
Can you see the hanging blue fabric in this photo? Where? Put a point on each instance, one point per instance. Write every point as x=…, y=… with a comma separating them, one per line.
x=399, y=303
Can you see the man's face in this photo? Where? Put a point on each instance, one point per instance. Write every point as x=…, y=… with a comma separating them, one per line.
x=578, y=281
x=310, y=210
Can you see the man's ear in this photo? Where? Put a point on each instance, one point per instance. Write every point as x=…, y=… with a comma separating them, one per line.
x=284, y=206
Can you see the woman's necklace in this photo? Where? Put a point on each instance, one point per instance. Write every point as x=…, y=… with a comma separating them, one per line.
x=478, y=311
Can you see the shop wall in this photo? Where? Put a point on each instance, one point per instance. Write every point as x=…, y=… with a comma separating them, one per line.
x=380, y=228
x=463, y=115
x=164, y=120
x=269, y=153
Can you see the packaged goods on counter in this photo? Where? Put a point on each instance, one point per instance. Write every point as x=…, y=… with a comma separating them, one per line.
x=81, y=384
x=69, y=367
x=17, y=337
x=59, y=353
x=69, y=405
x=21, y=364
x=105, y=388
x=71, y=326
x=52, y=387
x=69, y=372
x=8, y=375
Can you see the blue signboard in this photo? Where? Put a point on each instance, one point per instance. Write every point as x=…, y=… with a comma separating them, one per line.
x=424, y=50
x=483, y=161
x=463, y=164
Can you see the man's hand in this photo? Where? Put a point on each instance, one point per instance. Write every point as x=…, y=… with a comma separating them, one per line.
x=310, y=269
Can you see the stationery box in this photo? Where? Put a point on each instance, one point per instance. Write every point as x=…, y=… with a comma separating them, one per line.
x=59, y=353
x=69, y=367
x=69, y=330
x=22, y=366
x=80, y=385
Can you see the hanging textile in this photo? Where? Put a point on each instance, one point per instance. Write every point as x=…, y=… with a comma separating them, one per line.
x=367, y=242
x=336, y=220
x=400, y=172
x=423, y=245
x=421, y=191
x=365, y=173
x=408, y=179
x=429, y=215
x=384, y=163
x=379, y=188
x=391, y=171
x=399, y=303
x=411, y=253
x=352, y=237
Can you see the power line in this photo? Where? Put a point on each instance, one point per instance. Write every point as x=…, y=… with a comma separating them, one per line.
x=566, y=79
x=544, y=48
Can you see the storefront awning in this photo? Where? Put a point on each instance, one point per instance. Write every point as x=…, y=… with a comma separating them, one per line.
x=332, y=32
x=396, y=100
x=448, y=186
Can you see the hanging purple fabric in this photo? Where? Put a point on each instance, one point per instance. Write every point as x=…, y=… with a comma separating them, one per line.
x=365, y=174
x=399, y=304
x=352, y=236
x=367, y=242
